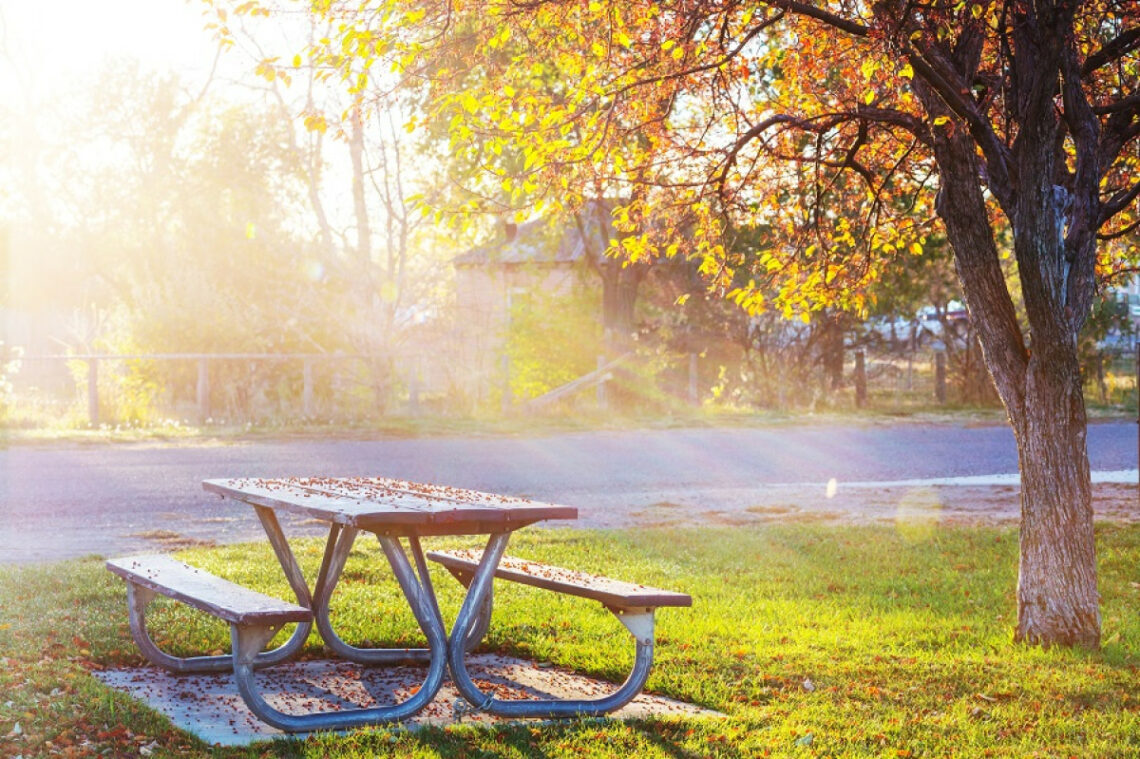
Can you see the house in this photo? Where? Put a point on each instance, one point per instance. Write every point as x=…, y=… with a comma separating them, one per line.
x=544, y=257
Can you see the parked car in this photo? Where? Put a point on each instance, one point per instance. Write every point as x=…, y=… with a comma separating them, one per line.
x=925, y=327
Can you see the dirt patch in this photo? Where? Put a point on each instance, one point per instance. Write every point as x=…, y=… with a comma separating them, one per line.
x=775, y=510
x=172, y=541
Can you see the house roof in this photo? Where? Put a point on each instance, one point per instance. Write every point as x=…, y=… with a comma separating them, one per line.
x=549, y=240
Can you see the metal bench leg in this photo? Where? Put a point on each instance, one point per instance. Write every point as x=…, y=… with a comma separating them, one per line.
x=638, y=621
x=139, y=598
x=247, y=639
x=336, y=554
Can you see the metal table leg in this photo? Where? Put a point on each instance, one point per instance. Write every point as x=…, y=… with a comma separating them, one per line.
x=336, y=554
x=248, y=639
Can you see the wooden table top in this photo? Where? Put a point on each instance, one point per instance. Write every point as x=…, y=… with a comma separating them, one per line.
x=390, y=506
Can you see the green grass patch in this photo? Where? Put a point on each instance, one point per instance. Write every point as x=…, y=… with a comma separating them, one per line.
x=502, y=426
x=814, y=640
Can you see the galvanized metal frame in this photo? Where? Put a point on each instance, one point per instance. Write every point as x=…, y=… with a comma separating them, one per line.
x=443, y=653
x=638, y=620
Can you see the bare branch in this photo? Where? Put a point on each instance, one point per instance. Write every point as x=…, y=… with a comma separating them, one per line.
x=1130, y=104
x=1120, y=232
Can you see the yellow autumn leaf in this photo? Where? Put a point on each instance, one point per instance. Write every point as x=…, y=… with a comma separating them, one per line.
x=941, y=120
x=907, y=72
x=915, y=249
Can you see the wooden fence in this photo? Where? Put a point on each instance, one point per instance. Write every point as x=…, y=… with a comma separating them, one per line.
x=93, y=361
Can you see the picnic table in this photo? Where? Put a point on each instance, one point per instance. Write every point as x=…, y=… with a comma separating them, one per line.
x=395, y=511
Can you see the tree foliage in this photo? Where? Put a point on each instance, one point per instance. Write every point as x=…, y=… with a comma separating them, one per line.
x=843, y=128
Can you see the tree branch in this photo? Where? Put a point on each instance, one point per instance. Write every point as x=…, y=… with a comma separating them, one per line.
x=1118, y=203
x=939, y=74
x=1114, y=49
x=1084, y=218
x=1129, y=104
x=831, y=19
x=1120, y=232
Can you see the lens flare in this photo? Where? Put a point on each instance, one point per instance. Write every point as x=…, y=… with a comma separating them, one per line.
x=918, y=514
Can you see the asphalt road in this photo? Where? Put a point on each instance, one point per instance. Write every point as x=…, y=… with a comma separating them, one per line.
x=65, y=501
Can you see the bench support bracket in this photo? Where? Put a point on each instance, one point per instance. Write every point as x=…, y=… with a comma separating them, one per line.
x=639, y=622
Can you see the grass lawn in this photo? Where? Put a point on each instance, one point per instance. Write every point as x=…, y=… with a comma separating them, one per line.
x=434, y=426
x=816, y=641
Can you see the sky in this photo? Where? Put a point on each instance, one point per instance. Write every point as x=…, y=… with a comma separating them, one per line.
x=47, y=45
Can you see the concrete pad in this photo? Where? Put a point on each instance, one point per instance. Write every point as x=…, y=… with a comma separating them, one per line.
x=210, y=707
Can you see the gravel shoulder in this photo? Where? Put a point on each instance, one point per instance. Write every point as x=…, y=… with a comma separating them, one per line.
x=919, y=507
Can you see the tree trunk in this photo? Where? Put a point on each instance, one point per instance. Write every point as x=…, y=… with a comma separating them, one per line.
x=831, y=349
x=359, y=205
x=619, y=297
x=1057, y=595
x=1057, y=599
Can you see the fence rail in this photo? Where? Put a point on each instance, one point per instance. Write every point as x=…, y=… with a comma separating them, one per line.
x=203, y=388
x=361, y=385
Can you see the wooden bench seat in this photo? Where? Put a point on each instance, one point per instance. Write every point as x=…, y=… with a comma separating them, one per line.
x=152, y=575
x=214, y=595
x=612, y=593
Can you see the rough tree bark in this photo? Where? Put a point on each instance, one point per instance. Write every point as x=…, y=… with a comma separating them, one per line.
x=1039, y=384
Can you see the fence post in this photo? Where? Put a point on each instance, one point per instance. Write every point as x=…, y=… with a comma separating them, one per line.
x=940, y=376
x=506, y=383
x=910, y=361
x=600, y=387
x=93, y=391
x=414, y=390
x=860, y=379
x=694, y=394
x=307, y=388
x=203, y=390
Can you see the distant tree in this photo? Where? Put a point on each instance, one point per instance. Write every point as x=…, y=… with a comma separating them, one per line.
x=367, y=185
